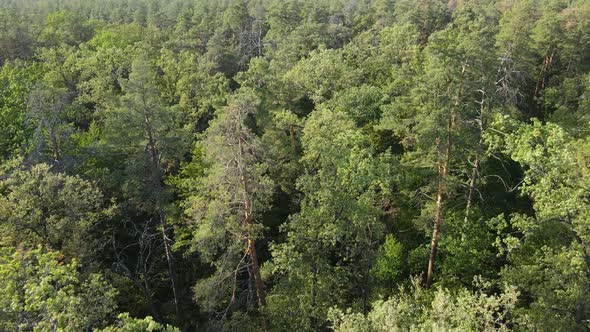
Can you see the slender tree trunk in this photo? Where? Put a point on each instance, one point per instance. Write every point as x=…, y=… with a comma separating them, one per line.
x=476, y=162
x=472, y=183
x=55, y=150
x=582, y=302
x=444, y=158
x=443, y=171
x=170, y=259
x=144, y=286
x=435, y=231
x=540, y=86
x=259, y=46
x=547, y=62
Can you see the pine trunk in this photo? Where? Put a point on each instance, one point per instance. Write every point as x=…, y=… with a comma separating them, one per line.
x=474, y=175
x=250, y=242
x=438, y=216
x=443, y=171
x=476, y=163
x=171, y=262
x=257, y=279
x=254, y=264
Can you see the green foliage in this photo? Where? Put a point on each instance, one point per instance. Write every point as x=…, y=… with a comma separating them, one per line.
x=16, y=82
x=273, y=159
x=417, y=309
x=468, y=250
x=332, y=240
x=552, y=249
x=44, y=207
x=390, y=263
x=65, y=27
x=149, y=135
x=361, y=103
x=128, y=324
x=320, y=75
x=225, y=210
x=40, y=292
x=117, y=36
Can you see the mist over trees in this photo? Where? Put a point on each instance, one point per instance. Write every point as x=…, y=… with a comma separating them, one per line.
x=294, y=165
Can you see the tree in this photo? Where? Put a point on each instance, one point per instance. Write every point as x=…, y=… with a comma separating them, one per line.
x=129, y=324
x=549, y=260
x=427, y=15
x=322, y=74
x=330, y=244
x=188, y=81
x=105, y=60
x=42, y=207
x=65, y=27
x=151, y=138
x=436, y=119
x=226, y=211
x=47, y=118
x=16, y=36
x=16, y=82
x=416, y=309
x=41, y=292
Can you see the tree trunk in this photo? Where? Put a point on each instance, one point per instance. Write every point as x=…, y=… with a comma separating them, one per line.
x=144, y=286
x=170, y=259
x=435, y=231
x=254, y=265
x=256, y=272
x=251, y=252
x=541, y=81
x=365, y=289
x=443, y=171
x=476, y=163
x=472, y=182
x=250, y=242
x=547, y=62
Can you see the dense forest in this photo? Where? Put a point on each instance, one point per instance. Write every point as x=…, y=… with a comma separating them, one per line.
x=294, y=165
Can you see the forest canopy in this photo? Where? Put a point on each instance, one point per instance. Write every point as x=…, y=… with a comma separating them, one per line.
x=295, y=165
